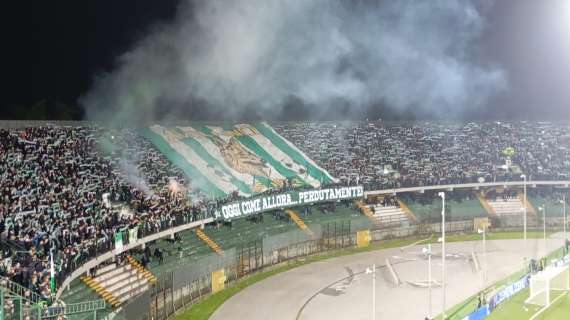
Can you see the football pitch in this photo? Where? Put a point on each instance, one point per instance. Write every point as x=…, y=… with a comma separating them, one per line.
x=516, y=309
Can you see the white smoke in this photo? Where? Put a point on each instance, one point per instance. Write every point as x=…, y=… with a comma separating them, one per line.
x=134, y=177
x=227, y=58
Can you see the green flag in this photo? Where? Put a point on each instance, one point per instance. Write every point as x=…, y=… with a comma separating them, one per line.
x=52, y=273
x=118, y=241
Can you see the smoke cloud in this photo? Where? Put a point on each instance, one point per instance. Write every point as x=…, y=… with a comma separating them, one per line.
x=134, y=177
x=284, y=59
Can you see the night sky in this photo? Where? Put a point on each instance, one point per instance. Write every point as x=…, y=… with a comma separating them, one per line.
x=57, y=47
x=54, y=49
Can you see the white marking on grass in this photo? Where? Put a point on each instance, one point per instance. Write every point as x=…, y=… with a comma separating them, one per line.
x=548, y=306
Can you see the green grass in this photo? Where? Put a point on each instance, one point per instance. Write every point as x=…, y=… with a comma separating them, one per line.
x=560, y=310
x=205, y=308
x=516, y=309
x=463, y=309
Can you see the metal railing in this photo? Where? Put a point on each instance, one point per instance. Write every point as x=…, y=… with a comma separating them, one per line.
x=76, y=308
x=110, y=251
x=21, y=291
x=17, y=302
x=100, y=255
x=451, y=187
x=191, y=283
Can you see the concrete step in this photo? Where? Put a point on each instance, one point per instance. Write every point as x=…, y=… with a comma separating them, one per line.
x=110, y=274
x=129, y=289
x=125, y=281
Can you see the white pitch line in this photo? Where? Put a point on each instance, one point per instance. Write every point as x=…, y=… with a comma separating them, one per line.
x=414, y=244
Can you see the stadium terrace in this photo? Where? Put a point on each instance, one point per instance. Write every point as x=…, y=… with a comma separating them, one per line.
x=70, y=194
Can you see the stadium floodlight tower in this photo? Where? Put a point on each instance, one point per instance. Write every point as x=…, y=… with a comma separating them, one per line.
x=373, y=272
x=483, y=231
x=564, y=214
x=442, y=196
x=427, y=251
x=524, y=207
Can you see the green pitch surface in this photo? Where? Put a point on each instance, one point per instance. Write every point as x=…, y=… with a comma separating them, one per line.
x=516, y=309
x=559, y=310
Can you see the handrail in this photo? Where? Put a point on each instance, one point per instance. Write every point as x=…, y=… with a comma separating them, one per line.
x=75, y=308
x=21, y=291
x=563, y=183
x=13, y=244
x=110, y=254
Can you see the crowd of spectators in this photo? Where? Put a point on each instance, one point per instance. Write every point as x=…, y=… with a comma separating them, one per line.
x=50, y=182
x=66, y=191
x=52, y=188
x=384, y=200
x=384, y=155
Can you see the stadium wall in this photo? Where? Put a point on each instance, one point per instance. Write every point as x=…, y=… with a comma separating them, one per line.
x=189, y=284
x=381, y=233
x=110, y=254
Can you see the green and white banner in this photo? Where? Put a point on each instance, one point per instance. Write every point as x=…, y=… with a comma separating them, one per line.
x=243, y=158
x=133, y=234
x=261, y=204
x=118, y=242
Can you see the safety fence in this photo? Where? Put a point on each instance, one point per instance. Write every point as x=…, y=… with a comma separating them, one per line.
x=191, y=283
x=18, y=303
x=509, y=289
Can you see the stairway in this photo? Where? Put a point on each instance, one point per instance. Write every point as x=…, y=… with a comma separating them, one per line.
x=407, y=210
x=529, y=207
x=507, y=207
x=119, y=283
x=300, y=223
x=390, y=214
x=144, y=272
x=367, y=211
x=204, y=237
x=102, y=291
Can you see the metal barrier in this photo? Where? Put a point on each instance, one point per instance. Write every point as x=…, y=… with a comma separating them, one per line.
x=451, y=187
x=82, y=308
x=17, y=302
x=103, y=254
x=189, y=284
x=111, y=252
x=23, y=292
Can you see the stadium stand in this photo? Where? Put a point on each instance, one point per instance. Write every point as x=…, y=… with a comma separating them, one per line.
x=551, y=199
x=461, y=205
x=67, y=191
x=387, y=210
x=53, y=181
x=392, y=155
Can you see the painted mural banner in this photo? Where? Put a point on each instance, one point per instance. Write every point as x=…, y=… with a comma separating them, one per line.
x=509, y=291
x=265, y=203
